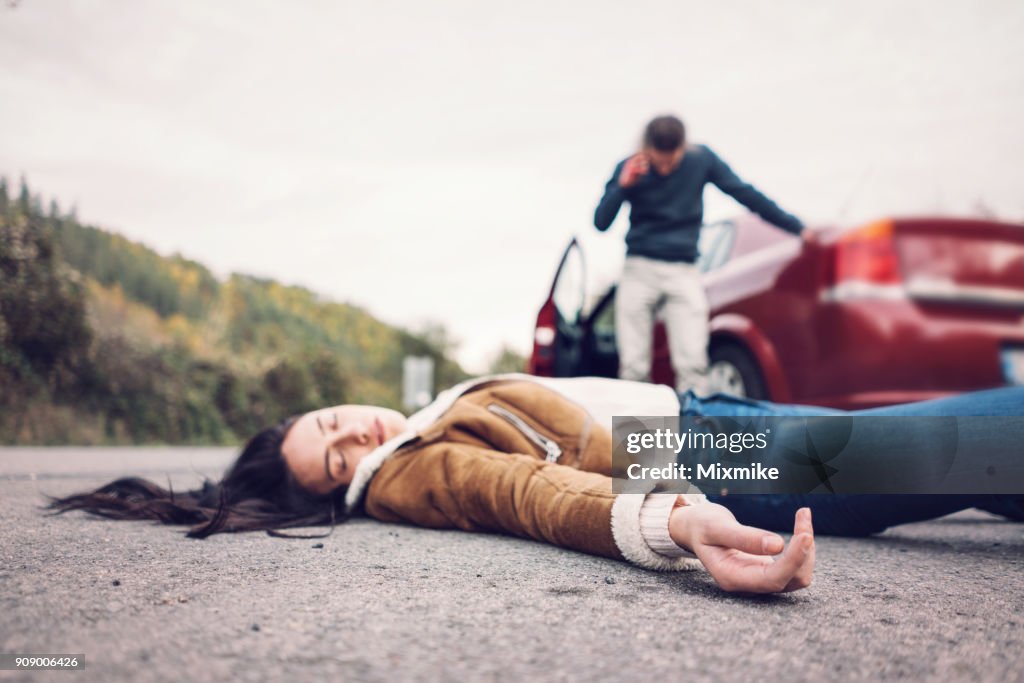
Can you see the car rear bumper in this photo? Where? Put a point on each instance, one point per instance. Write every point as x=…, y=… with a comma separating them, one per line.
x=879, y=352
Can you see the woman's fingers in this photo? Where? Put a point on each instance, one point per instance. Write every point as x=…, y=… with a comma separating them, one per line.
x=780, y=574
x=736, y=555
x=742, y=572
x=805, y=574
x=802, y=524
x=746, y=538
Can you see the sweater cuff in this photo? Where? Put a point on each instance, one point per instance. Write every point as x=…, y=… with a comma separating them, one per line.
x=654, y=514
x=630, y=540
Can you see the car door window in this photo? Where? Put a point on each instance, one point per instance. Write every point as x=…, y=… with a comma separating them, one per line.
x=714, y=245
x=603, y=327
x=570, y=288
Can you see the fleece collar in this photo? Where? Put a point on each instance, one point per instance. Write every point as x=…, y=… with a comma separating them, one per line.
x=417, y=422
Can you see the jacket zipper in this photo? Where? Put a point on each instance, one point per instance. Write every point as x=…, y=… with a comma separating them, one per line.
x=554, y=452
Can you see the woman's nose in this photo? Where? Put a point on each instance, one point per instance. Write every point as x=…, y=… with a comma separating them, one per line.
x=356, y=432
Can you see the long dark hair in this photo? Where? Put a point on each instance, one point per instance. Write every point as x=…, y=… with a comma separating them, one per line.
x=258, y=493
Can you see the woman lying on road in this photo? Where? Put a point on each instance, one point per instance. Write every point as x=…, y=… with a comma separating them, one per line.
x=532, y=457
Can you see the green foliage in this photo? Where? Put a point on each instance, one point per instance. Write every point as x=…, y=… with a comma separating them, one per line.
x=160, y=395
x=43, y=329
x=167, y=285
x=103, y=340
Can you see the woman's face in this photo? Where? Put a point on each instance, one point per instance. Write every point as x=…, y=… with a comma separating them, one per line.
x=323, y=448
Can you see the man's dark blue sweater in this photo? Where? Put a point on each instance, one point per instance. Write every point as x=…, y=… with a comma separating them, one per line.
x=666, y=212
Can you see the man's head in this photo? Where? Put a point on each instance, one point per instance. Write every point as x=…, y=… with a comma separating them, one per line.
x=665, y=143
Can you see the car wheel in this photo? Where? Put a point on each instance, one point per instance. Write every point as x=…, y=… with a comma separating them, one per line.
x=733, y=371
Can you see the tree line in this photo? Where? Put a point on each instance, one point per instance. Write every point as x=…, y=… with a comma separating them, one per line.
x=105, y=341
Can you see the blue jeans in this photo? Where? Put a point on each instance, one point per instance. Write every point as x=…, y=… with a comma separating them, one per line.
x=860, y=515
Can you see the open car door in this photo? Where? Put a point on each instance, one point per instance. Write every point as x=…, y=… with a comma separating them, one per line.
x=558, y=333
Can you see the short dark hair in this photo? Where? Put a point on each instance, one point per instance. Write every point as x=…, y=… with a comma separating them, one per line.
x=665, y=133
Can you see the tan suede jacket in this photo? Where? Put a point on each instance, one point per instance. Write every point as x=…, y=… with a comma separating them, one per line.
x=516, y=458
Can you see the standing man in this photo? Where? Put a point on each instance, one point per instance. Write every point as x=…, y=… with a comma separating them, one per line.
x=664, y=183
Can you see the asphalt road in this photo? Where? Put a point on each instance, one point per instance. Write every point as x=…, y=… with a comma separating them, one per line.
x=942, y=600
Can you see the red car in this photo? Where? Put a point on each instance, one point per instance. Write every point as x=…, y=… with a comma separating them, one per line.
x=893, y=311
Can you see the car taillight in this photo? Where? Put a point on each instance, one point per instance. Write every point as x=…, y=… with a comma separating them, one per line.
x=867, y=255
x=542, y=360
x=544, y=336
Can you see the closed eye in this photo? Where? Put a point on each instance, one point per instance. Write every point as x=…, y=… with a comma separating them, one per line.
x=339, y=463
x=335, y=463
x=327, y=464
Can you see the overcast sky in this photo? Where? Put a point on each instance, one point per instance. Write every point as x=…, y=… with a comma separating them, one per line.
x=429, y=160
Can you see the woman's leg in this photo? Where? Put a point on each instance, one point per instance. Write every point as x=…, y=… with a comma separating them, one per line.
x=859, y=515
x=990, y=402
x=726, y=405
x=849, y=515
x=993, y=402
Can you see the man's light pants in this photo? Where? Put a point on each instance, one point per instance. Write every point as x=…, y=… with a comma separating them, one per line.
x=648, y=285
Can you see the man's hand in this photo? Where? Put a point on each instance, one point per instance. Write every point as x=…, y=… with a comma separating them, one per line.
x=738, y=556
x=635, y=166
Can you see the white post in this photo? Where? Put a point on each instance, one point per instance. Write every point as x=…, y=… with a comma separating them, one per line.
x=417, y=381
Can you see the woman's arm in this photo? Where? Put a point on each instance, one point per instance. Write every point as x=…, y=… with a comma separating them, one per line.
x=450, y=485
x=455, y=485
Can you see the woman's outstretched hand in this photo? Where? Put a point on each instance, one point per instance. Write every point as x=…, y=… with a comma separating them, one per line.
x=743, y=558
